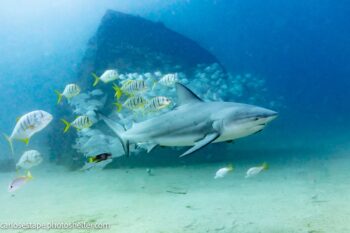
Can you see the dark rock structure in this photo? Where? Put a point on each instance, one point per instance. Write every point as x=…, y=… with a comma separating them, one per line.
x=134, y=44
x=130, y=44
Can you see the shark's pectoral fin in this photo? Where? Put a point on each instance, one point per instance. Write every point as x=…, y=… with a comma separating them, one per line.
x=209, y=138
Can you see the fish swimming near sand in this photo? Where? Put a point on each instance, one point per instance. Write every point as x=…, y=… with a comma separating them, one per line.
x=106, y=77
x=222, y=172
x=28, y=125
x=69, y=92
x=194, y=123
x=81, y=122
x=29, y=159
x=98, y=161
x=19, y=182
x=99, y=158
x=253, y=171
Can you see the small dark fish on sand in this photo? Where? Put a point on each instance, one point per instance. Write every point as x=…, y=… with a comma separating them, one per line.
x=99, y=158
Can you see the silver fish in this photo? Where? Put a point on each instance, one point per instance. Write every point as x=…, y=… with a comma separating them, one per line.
x=169, y=80
x=28, y=125
x=157, y=103
x=130, y=87
x=132, y=103
x=69, y=92
x=19, y=182
x=81, y=122
x=29, y=159
x=253, y=171
x=106, y=77
x=96, y=92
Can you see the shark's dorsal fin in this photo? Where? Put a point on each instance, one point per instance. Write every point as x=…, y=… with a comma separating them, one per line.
x=185, y=95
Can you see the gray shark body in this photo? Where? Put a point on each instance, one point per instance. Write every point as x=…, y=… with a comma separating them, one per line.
x=194, y=123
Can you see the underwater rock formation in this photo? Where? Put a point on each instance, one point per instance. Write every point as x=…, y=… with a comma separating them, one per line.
x=134, y=44
x=141, y=50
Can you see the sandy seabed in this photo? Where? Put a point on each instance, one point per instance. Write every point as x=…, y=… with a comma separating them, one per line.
x=305, y=196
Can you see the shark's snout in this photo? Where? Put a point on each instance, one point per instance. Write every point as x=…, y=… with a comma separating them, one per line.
x=264, y=116
x=268, y=115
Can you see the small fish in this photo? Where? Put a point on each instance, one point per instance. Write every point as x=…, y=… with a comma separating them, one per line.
x=132, y=103
x=96, y=92
x=29, y=159
x=19, y=182
x=122, y=76
x=69, y=92
x=81, y=122
x=158, y=73
x=99, y=158
x=148, y=75
x=157, y=103
x=106, y=77
x=102, y=164
x=253, y=171
x=222, y=172
x=149, y=172
x=130, y=87
x=27, y=125
x=169, y=80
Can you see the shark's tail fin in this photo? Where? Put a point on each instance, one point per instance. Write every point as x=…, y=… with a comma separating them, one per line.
x=118, y=130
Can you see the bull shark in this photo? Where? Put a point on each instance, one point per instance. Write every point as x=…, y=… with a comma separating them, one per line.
x=194, y=122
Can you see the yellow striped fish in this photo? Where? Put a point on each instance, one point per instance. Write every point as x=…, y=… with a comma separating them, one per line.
x=130, y=87
x=69, y=92
x=132, y=103
x=157, y=103
x=81, y=122
x=106, y=77
x=169, y=80
x=29, y=124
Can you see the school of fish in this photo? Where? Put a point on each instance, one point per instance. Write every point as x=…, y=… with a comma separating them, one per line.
x=132, y=93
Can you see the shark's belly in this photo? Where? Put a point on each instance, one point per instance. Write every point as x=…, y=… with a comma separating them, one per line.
x=185, y=140
x=174, y=133
x=180, y=138
x=238, y=133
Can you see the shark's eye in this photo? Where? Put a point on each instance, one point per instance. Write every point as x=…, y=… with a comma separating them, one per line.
x=256, y=118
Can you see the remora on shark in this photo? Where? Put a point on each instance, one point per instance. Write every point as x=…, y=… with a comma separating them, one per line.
x=194, y=123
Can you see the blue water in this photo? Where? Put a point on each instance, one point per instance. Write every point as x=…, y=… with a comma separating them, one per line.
x=300, y=48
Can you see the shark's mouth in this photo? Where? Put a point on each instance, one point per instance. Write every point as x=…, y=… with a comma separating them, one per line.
x=258, y=131
x=258, y=128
